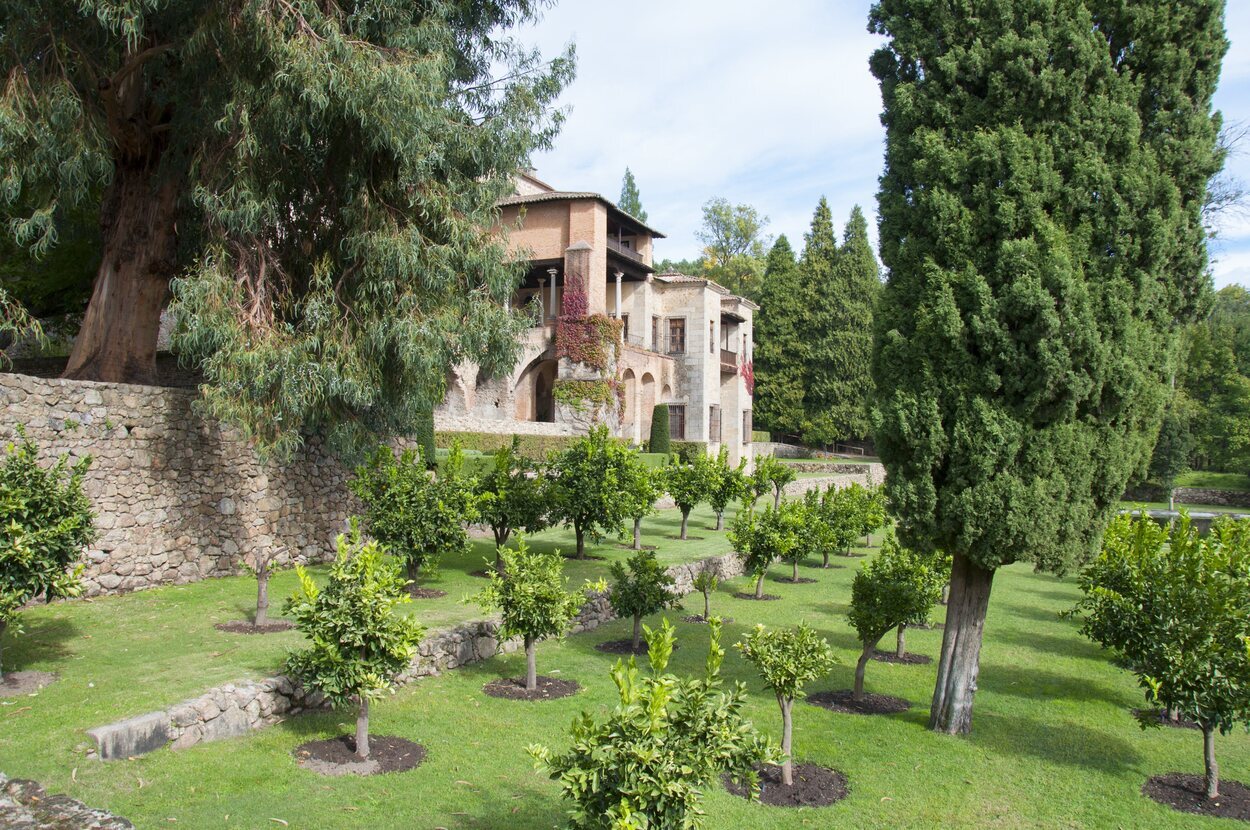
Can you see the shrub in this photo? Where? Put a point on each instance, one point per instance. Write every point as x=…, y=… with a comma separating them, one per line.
x=417, y=516
x=359, y=642
x=725, y=483
x=687, y=483
x=47, y=521
x=645, y=589
x=787, y=659
x=765, y=537
x=895, y=589
x=660, y=437
x=705, y=582
x=510, y=496
x=530, y=594
x=647, y=763
x=585, y=483
x=1176, y=606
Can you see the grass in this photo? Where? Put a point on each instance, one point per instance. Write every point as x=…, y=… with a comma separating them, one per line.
x=1193, y=508
x=1053, y=742
x=1214, y=481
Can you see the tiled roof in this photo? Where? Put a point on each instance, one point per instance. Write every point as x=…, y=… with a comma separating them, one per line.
x=569, y=195
x=728, y=297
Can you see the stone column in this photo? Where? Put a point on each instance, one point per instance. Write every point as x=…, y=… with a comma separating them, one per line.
x=618, y=276
x=542, y=305
x=555, y=310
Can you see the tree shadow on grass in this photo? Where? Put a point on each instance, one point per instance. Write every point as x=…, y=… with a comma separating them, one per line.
x=44, y=640
x=1072, y=647
x=1044, y=615
x=1061, y=742
x=1033, y=684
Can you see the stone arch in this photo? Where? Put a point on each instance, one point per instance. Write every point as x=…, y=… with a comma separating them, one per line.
x=629, y=418
x=646, y=404
x=534, y=396
x=667, y=395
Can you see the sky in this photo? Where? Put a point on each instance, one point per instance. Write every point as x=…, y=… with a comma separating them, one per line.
x=770, y=106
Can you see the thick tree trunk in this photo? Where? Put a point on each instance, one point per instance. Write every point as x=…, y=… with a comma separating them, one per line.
x=825, y=553
x=1208, y=755
x=637, y=533
x=685, y=520
x=362, y=729
x=581, y=541
x=637, y=638
x=117, y=341
x=502, y=532
x=956, y=685
x=720, y=520
x=759, y=587
x=262, y=595
x=413, y=569
x=787, y=733
x=857, y=693
x=900, y=647
x=531, y=665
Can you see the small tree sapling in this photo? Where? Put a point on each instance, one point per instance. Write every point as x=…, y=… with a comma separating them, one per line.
x=896, y=588
x=788, y=659
x=642, y=486
x=510, y=496
x=261, y=564
x=687, y=483
x=360, y=642
x=706, y=582
x=585, y=482
x=530, y=594
x=725, y=483
x=45, y=522
x=771, y=473
x=644, y=589
x=648, y=762
x=765, y=537
x=872, y=513
x=1176, y=607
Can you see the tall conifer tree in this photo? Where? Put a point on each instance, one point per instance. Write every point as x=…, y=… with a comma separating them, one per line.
x=1046, y=166
x=779, y=348
x=630, y=201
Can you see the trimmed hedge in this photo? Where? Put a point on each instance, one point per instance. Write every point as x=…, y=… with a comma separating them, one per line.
x=653, y=459
x=535, y=447
x=661, y=440
x=687, y=450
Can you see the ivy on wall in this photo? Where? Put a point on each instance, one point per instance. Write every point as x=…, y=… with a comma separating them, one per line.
x=748, y=375
x=593, y=340
x=583, y=395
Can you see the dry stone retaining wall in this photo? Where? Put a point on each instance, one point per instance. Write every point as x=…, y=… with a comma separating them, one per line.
x=237, y=708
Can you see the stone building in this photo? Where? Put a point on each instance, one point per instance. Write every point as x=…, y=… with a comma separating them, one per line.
x=686, y=341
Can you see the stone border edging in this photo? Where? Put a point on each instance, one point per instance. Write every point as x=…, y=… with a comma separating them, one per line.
x=237, y=708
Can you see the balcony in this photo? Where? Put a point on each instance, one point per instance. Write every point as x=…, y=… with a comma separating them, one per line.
x=728, y=361
x=625, y=251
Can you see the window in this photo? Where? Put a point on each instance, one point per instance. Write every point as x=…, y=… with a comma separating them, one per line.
x=625, y=327
x=677, y=422
x=711, y=336
x=655, y=333
x=713, y=424
x=677, y=335
x=746, y=426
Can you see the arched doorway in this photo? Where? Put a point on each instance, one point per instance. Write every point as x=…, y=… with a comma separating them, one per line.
x=646, y=404
x=533, y=395
x=629, y=421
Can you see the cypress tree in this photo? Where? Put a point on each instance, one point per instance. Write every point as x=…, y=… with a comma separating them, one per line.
x=779, y=348
x=661, y=440
x=630, y=202
x=1046, y=164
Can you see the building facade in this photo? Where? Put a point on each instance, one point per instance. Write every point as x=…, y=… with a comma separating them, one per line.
x=686, y=341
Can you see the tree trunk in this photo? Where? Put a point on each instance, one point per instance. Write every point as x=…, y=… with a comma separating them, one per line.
x=720, y=520
x=502, y=532
x=581, y=541
x=777, y=499
x=794, y=571
x=864, y=656
x=900, y=648
x=362, y=729
x=956, y=685
x=637, y=533
x=946, y=593
x=413, y=569
x=1171, y=499
x=117, y=341
x=759, y=587
x=1213, y=769
x=787, y=732
x=685, y=520
x=825, y=553
x=262, y=595
x=867, y=540
x=707, y=606
x=633, y=643
x=1174, y=715
x=531, y=666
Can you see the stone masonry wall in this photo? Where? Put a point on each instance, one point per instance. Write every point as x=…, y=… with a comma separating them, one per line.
x=237, y=708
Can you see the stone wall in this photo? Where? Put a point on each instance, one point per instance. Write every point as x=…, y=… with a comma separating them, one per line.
x=237, y=708
x=1190, y=495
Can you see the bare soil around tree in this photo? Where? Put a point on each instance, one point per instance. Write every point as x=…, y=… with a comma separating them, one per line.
x=247, y=627
x=870, y=704
x=18, y=683
x=814, y=786
x=1188, y=794
x=549, y=688
x=337, y=756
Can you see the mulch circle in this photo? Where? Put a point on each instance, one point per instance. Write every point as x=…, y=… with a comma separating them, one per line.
x=641, y=547
x=425, y=593
x=823, y=567
x=337, y=756
x=18, y=683
x=245, y=627
x=870, y=704
x=589, y=557
x=513, y=688
x=699, y=619
x=814, y=786
x=1188, y=794
x=802, y=580
x=624, y=647
x=908, y=659
x=1161, y=715
x=751, y=595
x=687, y=539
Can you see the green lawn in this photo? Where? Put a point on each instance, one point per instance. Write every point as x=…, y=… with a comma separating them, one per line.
x=1193, y=508
x=1214, y=481
x=1053, y=743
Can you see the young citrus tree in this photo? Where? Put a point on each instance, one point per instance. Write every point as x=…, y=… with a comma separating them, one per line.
x=647, y=587
x=896, y=588
x=418, y=516
x=584, y=485
x=360, y=642
x=642, y=486
x=45, y=522
x=510, y=496
x=688, y=484
x=648, y=762
x=787, y=660
x=529, y=592
x=725, y=483
x=705, y=582
x=872, y=515
x=763, y=538
x=839, y=526
x=771, y=473
x=1176, y=606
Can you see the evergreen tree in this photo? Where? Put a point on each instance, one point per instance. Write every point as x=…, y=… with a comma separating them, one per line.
x=630, y=202
x=780, y=351
x=839, y=381
x=320, y=177
x=1170, y=457
x=1046, y=164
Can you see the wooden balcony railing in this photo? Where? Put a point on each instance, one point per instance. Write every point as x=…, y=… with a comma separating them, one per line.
x=728, y=361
